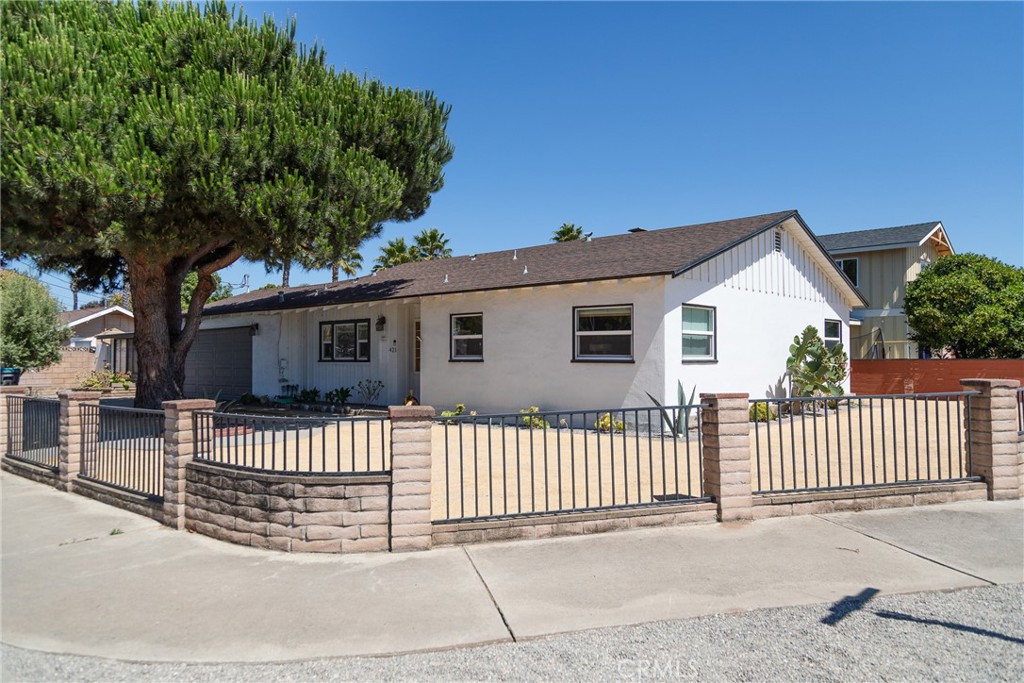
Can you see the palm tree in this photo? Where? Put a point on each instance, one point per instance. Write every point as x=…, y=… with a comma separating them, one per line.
x=432, y=244
x=349, y=262
x=569, y=232
x=394, y=253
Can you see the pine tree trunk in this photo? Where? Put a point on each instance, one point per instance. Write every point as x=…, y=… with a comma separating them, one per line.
x=159, y=378
x=334, y=272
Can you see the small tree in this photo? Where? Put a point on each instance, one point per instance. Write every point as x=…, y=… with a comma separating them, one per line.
x=395, y=253
x=569, y=232
x=970, y=303
x=31, y=331
x=815, y=369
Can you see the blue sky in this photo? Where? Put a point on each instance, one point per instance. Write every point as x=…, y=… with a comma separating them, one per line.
x=615, y=115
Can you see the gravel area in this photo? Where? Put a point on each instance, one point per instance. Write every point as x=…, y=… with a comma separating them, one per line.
x=973, y=634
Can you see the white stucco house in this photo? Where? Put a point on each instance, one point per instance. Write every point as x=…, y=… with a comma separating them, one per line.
x=585, y=324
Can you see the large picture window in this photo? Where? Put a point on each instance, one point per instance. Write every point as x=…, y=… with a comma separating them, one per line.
x=346, y=340
x=699, y=333
x=468, y=336
x=604, y=333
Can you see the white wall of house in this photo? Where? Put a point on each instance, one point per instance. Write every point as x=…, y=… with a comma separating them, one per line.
x=528, y=337
x=762, y=298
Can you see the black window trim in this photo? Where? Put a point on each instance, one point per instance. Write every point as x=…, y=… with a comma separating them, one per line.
x=597, y=359
x=839, y=264
x=451, y=338
x=355, y=323
x=714, y=334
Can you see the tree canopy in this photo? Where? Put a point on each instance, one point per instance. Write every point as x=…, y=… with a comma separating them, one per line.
x=429, y=244
x=31, y=330
x=158, y=139
x=569, y=232
x=969, y=303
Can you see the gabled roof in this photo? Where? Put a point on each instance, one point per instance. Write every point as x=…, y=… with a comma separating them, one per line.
x=83, y=315
x=885, y=238
x=670, y=251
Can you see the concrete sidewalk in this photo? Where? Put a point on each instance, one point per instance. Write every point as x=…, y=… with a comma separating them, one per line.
x=151, y=594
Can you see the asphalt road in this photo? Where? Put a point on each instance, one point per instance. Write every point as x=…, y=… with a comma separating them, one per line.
x=973, y=634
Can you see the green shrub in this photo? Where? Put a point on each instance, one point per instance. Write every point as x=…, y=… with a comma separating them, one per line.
x=762, y=412
x=605, y=423
x=107, y=379
x=339, y=396
x=531, y=420
x=309, y=395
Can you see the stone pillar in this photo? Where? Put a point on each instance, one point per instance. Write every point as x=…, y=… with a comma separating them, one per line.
x=4, y=393
x=725, y=432
x=72, y=437
x=410, y=477
x=992, y=436
x=179, y=448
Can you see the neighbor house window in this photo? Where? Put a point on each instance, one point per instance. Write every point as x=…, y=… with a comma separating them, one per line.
x=849, y=267
x=604, y=333
x=468, y=336
x=347, y=340
x=698, y=333
x=833, y=333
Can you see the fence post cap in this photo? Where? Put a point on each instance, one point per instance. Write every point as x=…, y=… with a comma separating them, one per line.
x=411, y=412
x=189, y=404
x=79, y=394
x=13, y=390
x=988, y=382
x=721, y=396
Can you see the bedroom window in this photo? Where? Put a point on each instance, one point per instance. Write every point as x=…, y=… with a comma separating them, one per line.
x=467, y=336
x=345, y=340
x=603, y=333
x=699, y=333
x=833, y=333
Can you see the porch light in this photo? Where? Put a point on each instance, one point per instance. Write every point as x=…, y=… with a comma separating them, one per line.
x=381, y=321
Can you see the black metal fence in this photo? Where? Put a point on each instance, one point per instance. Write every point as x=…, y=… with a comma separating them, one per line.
x=123, y=448
x=516, y=464
x=1020, y=409
x=852, y=441
x=313, y=445
x=33, y=430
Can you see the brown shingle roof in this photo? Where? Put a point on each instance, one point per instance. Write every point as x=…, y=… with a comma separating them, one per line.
x=653, y=252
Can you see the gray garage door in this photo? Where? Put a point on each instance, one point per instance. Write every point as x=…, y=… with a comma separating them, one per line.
x=220, y=362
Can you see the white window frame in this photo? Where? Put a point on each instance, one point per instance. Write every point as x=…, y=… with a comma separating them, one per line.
x=833, y=340
x=458, y=337
x=712, y=334
x=840, y=263
x=577, y=334
x=328, y=342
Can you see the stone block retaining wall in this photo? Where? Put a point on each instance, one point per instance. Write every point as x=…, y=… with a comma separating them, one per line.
x=289, y=512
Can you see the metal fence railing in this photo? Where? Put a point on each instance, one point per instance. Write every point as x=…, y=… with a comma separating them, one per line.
x=33, y=430
x=518, y=464
x=850, y=441
x=313, y=445
x=123, y=447
x=1020, y=409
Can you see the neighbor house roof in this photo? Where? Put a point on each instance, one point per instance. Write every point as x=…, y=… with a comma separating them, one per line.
x=885, y=238
x=670, y=251
x=83, y=315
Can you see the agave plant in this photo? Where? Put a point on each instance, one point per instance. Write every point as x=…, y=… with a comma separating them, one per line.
x=678, y=421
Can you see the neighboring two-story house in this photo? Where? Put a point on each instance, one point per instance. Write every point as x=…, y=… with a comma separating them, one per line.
x=880, y=263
